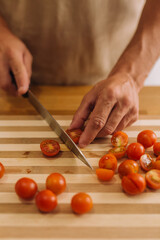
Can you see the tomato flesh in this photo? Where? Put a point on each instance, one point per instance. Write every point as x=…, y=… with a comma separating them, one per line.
x=108, y=161
x=50, y=148
x=46, y=201
x=119, y=139
x=81, y=203
x=118, y=152
x=104, y=174
x=153, y=179
x=128, y=166
x=135, y=151
x=26, y=188
x=146, y=162
x=133, y=183
x=74, y=134
x=56, y=183
x=147, y=138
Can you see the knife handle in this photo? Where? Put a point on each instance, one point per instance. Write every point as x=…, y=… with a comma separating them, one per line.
x=14, y=82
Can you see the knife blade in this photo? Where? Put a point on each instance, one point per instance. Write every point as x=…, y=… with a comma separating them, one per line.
x=56, y=127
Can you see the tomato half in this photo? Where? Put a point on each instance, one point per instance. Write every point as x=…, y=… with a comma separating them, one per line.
x=156, y=148
x=46, y=201
x=119, y=139
x=56, y=183
x=26, y=188
x=153, y=178
x=74, y=134
x=147, y=138
x=108, y=161
x=104, y=174
x=133, y=183
x=2, y=170
x=135, y=151
x=50, y=148
x=81, y=203
x=128, y=166
x=146, y=162
x=118, y=152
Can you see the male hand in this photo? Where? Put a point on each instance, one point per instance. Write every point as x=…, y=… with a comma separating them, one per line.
x=110, y=106
x=15, y=57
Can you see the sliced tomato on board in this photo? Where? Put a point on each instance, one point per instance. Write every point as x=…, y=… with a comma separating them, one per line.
x=128, y=166
x=146, y=162
x=147, y=138
x=50, y=148
x=74, y=134
x=153, y=179
x=118, y=152
x=104, y=174
x=119, y=139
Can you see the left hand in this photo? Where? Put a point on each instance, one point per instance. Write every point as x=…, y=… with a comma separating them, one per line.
x=111, y=105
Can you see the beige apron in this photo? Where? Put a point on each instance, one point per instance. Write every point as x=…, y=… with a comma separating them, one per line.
x=73, y=42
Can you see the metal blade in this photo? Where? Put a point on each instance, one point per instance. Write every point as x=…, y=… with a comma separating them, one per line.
x=57, y=128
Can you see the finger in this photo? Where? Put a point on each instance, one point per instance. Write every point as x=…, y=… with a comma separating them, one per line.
x=20, y=73
x=27, y=59
x=113, y=121
x=97, y=119
x=83, y=112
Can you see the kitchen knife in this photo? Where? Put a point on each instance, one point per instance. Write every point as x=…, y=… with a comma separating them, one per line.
x=54, y=125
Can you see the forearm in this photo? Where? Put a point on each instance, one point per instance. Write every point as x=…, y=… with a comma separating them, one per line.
x=144, y=48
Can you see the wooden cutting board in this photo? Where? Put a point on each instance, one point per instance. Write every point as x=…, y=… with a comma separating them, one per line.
x=115, y=215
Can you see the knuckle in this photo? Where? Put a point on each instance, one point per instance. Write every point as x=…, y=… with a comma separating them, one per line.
x=110, y=94
x=108, y=130
x=98, y=122
x=126, y=102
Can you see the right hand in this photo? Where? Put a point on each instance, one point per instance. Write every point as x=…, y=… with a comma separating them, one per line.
x=15, y=57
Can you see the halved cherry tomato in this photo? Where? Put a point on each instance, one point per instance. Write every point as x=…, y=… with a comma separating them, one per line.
x=46, y=201
x=135, y=151
x=133, y=183
x=81, y=203
x=56, y=183
x=153, y=178
x=118, y=152
x=104, y=174
x=108, y=161
x=74, y=134
x=26, y=188
x=119, y=139
x=146, y=162
x=2, y=170
x=156, y=164
x=50, y=148
x=128, y=166
x=156, y=148
x=147, y=138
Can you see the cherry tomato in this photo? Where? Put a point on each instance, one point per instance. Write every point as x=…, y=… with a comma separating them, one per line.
x=74, y=134
x=46, y=201
x=146, y=162
x=156, y=164
x=50, y=148
x=56, y=183
x=147, y=138
x=153, y=178
x=104, y=174
x=26, y=188
x=119, y=139
x=158, y=158
x=133, y=183
x=128, y=166
x=2, y=170
x=118, y=152
x=81, y=203
x=156, y=148
x=108, y=161
x=135, y=151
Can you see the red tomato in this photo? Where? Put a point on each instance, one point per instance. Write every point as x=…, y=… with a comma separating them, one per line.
x=108, y=161
x=2, y=170
x=157, y=164
x=133, y=183
x=147, y=138
x=146, y=162
x=156, y=148
x=81, y=203
x=118, y=152
x=135, y=151
x=153, y=178
x=158, y=158
x=26, y=188
x=128, y=166
x=119, y=139
x=56, y=183
x=74, y=134
x=46, y=201
x=104, y=174
x=50, y=147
